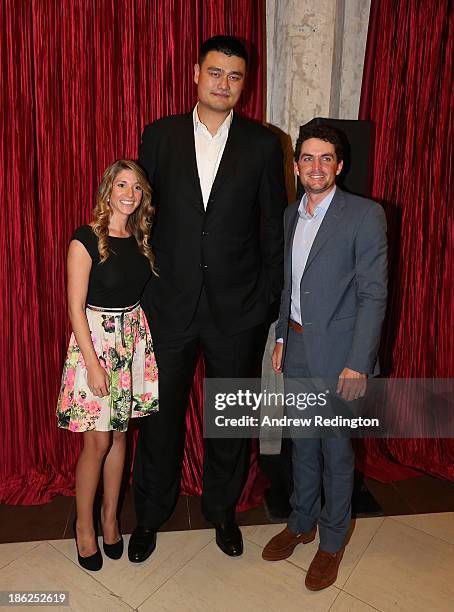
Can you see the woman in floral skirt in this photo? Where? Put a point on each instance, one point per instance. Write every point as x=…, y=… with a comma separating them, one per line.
x=110, y=372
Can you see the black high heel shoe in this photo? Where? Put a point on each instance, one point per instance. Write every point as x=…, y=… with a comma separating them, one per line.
x=93, y=563
x=113, y=551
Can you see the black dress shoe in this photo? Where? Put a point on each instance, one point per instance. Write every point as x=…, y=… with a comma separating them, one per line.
x=93, y=563
x=113, y=551
x=229, y=539
x=141, y=544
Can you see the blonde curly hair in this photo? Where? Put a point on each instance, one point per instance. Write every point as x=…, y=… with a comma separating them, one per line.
x=139, y=222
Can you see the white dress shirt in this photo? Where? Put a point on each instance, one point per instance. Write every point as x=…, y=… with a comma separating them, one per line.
x=208, y=151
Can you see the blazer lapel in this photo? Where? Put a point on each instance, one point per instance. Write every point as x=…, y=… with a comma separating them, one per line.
x=293, y=222
x=328, y=227
x=189, y=159
x=230, y=156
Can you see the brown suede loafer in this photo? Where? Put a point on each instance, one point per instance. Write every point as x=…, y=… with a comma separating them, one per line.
x=283, y=544
x=322, y=572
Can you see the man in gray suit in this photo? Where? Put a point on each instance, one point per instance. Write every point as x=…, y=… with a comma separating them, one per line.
x=332, y=309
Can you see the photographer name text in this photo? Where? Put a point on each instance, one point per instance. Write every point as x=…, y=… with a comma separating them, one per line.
x=317, y=421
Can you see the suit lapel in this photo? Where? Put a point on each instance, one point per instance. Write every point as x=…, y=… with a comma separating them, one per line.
x=328, y=227
x=290, y=231
x=293, y=222
x=230, y=156
x=189, y=159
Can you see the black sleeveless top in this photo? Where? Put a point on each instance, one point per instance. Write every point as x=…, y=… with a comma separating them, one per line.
x=119, y=281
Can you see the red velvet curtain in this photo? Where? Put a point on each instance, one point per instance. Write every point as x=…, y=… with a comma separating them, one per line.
x=407, y=92
x=79, y=81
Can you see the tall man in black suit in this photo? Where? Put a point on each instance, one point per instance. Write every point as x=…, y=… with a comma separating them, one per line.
x=218, y=186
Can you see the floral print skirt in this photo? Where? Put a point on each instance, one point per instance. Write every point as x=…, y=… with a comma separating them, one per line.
x=122, y=341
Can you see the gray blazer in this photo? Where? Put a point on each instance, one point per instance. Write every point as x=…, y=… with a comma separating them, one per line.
x=343, y=288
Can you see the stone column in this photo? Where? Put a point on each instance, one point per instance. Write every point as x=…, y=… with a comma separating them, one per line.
x=315, y=55
x=354, y=36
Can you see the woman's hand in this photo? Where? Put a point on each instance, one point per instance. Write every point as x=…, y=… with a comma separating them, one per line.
x=97, y=379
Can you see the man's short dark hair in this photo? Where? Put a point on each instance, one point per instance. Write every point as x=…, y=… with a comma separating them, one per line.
x=229, y=45
x=322, y=132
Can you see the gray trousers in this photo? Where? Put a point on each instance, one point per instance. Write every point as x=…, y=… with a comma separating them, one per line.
x=315, y=461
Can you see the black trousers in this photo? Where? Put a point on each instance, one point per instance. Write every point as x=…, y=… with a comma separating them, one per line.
x=159, y=454
x=279, y=470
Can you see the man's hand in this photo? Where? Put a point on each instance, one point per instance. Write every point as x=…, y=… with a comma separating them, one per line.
x=276, y=359
x=351, y=385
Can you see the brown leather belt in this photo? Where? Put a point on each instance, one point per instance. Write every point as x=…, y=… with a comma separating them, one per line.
x=296, y=326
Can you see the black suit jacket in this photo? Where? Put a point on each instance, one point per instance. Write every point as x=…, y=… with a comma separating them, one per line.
x=235, y=247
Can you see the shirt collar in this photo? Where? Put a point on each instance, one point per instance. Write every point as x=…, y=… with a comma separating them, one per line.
x=321, y=208
x=224, y=127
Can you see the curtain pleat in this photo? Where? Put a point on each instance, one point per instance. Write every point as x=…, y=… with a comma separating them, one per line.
x=407, y=93
x=79, y=80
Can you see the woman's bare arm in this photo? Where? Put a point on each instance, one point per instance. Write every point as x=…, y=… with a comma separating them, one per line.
x=79, y=266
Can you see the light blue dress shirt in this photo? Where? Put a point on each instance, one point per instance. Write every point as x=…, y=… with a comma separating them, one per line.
x=305, y=233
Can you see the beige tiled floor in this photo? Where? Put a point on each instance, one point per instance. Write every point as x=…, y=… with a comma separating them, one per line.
x=400, y=563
